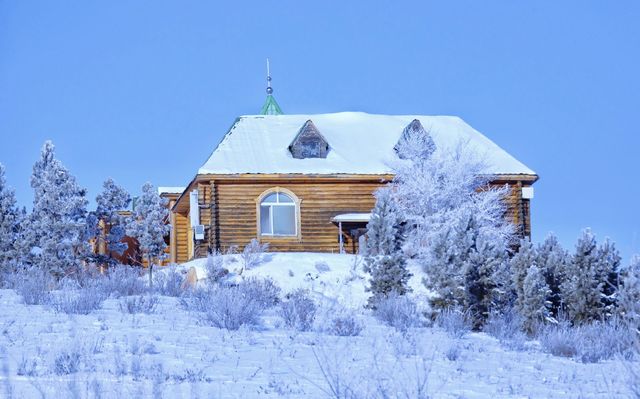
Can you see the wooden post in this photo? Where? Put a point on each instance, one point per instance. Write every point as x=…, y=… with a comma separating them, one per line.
x=340, y=237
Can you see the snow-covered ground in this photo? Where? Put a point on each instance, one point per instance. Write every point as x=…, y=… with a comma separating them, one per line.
x=171, y=353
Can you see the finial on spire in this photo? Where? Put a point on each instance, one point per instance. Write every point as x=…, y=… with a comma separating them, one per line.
x=269, y=88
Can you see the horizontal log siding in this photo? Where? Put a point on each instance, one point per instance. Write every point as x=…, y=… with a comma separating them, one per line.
x=320, y=202
x=182, y=225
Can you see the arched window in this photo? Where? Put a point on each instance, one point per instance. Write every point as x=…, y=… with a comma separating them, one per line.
x=278, y=214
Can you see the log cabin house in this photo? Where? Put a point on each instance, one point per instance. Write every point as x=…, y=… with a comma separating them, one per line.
x=306, y=182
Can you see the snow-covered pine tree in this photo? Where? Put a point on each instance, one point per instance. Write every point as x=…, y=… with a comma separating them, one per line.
x=384, y=258
x=108, y=224
x=9, y=221
x=520, y=264
x=552, y=260
x=53, y=234
x=607, y=270
x=581, y=289
x=452, y=213
x=148, y=226
x=536, y=307
x=628, y=300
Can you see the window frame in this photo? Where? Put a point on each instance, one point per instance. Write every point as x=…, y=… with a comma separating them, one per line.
x=295, y=204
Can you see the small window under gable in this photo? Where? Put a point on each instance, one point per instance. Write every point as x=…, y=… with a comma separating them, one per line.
x=309, y=143
x=415, y=142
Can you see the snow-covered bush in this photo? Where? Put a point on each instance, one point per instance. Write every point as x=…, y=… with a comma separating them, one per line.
x=253, y=254
x=522, y=260
x=591, y=342
x=231, y=307
x=454, y=321
x=138, y=304
x=67, y=362
x=72, y=299
x=214, y=268
x=506, y=327
x=168, y=283
x=298, y=310
x=123, y=281
x=398, y=311
x=33, y=285
x=345, y=325
x=263, y=290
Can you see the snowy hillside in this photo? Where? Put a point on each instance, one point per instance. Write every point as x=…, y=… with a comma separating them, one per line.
x=169, y=350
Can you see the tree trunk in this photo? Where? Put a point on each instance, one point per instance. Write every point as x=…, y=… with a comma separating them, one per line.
x=150, y=272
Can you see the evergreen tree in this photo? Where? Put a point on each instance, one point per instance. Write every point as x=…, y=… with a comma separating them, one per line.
x=552, y=260
x=148, y=225
x=520, y=264
x=581, y=288
x=108, y=224
x=628, y=301
x=607, y=270
x=535, y=307
x=384, y=258
x=53, y=235
x=9, y=221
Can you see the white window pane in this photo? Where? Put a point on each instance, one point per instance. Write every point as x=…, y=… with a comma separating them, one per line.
x=273, y=197
x=265, y=223
x=284, y=198
x=284, y=220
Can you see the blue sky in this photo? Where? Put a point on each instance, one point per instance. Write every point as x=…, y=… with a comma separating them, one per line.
x=144, y=90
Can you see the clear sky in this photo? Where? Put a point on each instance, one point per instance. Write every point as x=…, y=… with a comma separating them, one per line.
x=144, y=90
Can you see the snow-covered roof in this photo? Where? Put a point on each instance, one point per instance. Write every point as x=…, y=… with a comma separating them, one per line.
x=360, y=143
x=170, y=190
x=352, y=217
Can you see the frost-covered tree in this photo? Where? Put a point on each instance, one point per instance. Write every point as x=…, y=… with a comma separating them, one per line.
x=607, y=270
x=107, y=224
x=581, y=288
x=628, y=301
x=552, y=259
x=148, y=225
x=535, y=307
x=522, y=260
x=454, y=218
x=54, y=234
x=9, y=221
x=384, y=259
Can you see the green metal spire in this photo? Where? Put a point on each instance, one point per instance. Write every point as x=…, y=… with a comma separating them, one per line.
x=270, y=106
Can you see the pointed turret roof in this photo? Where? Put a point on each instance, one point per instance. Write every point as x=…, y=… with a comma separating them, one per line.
x=271, y=107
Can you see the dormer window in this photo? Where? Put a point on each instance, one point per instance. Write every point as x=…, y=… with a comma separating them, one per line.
x=309, y=143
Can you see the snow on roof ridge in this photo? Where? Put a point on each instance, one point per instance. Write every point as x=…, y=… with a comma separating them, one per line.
x=361, y=143
x=171, y=190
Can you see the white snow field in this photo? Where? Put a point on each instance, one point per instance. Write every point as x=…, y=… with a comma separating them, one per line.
x=172, y=353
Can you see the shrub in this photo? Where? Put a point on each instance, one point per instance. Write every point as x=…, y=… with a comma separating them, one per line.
x=138, y=304
x=214, y=268
x=397, y=311
x=168, y=283
x=253, y=254
x=67, y=363
x=33, y=285
x=506, y=328
x=298, y=310
x=346, y=325
x=124, y=281
x=72, y=300
x=589, y=343
x=225, y=307
x=265, y=291
x=454, y=321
